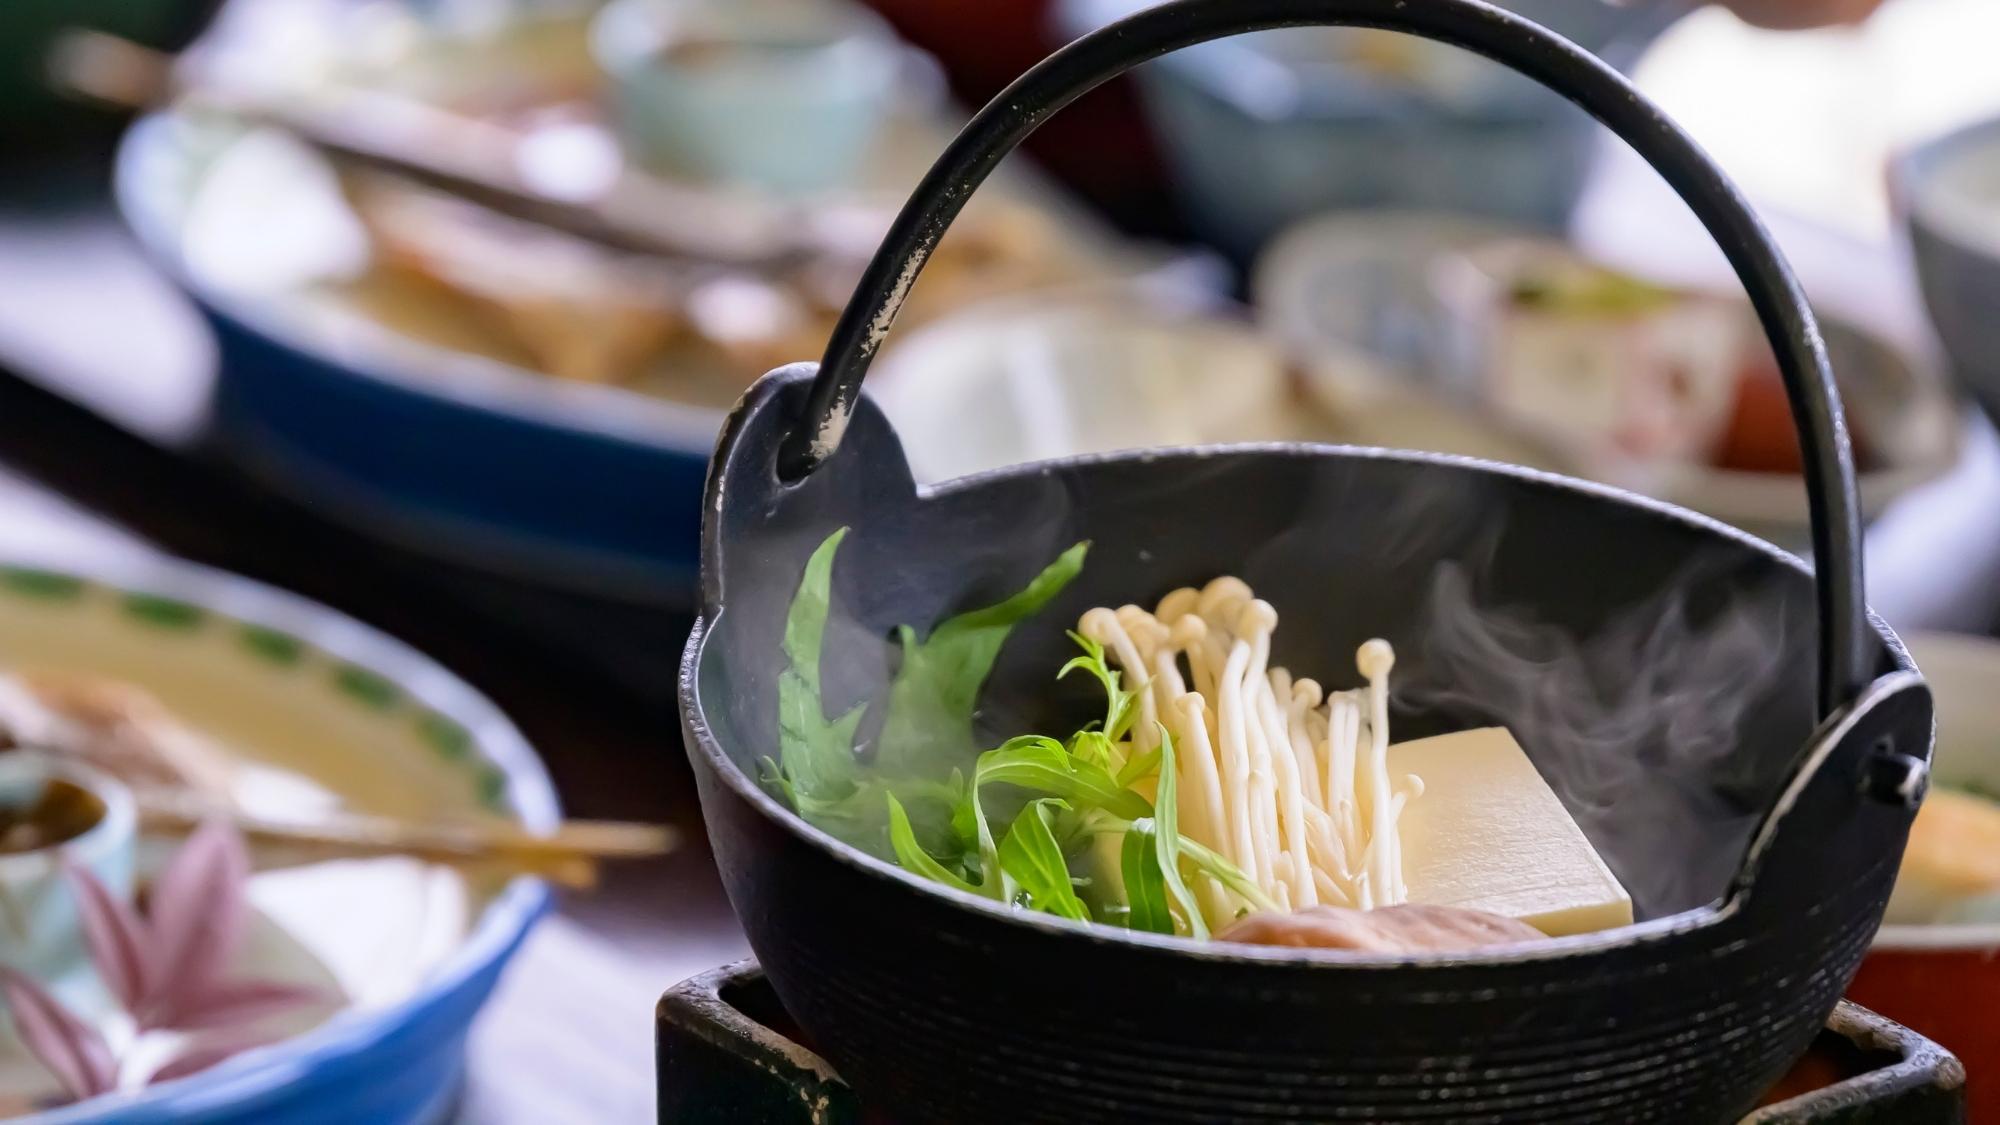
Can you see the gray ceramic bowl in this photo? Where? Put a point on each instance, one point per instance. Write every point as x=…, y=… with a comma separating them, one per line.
x=1948, y=192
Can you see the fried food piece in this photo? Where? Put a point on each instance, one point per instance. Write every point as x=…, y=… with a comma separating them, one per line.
x=580, y=311
x=113, y=727
x=1408, y=928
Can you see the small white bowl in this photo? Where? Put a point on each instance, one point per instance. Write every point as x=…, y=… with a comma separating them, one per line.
x=41, y=928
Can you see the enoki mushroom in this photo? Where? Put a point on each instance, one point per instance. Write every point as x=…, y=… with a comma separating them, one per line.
x=1288, y=782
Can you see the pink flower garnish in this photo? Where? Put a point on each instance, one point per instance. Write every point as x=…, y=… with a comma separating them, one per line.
x=167, y=968
x=72, y=1050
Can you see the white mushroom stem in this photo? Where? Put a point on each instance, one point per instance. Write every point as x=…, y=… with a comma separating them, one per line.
x=1374, y=660
x=1285, y=780
x=1343, y=731
x=1299, y=699
x=1104, y=627
x=1257, y=620
x=1246, y=844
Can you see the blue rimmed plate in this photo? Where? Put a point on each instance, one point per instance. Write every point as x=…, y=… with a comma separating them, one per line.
x=315, y=711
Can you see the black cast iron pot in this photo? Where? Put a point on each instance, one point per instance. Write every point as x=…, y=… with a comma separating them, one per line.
x=1759, y=847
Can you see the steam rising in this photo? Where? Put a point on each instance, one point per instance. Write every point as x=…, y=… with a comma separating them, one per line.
x=1640, y=726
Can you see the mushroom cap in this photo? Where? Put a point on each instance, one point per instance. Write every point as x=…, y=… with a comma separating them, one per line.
x=1099, y=625
x=1308, y=691
x=1143, y=626
x=1222, y=592
x=1256, y=616
x=1187, y=632
x=1177, y=604
x=1374, y=658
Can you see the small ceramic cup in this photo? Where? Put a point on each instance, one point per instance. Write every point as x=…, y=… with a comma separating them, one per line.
x=41, y=930
x=1943, y=979
x=783, y=96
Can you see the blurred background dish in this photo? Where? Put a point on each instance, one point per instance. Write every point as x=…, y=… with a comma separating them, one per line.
x=378, y=359
x=1949, y=193
x=1935, y=965
x=1663, y=389
x=305, y=714
x=1261, y=131
x=1063, y=374
x=782, y=97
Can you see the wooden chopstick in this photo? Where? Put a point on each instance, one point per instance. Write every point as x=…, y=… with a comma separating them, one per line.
x=569, y=855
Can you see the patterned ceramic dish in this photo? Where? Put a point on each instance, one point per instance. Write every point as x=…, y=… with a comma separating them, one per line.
x=317, y=711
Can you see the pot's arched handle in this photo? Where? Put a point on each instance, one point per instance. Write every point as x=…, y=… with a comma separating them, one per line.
x=1844, y=652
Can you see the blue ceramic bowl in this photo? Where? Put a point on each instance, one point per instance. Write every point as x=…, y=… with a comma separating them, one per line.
x=1264, y=130
x=1948, y=192
x=400, y=1064
x=592, y=489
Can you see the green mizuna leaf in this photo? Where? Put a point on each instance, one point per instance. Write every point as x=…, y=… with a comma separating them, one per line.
x=1167, y=840
x=1041, y=764
x=1145, y=887
x=912, y=856
x=932, y=698
x=1033, y=859
x=1139, y=768
x=1218, y=867
x=1121, y=706
x=815, y=755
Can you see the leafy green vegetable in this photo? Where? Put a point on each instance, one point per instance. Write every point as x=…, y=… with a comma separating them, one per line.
x=932, y=698
x=816, y=759
x=1040, y=797
x=1167, y=840
x=1139, y=768
x=1145, y=888
x=1219, y=867
x=1041, y=764
x=912, y=856
x=1121, y=706
x=1032, y=858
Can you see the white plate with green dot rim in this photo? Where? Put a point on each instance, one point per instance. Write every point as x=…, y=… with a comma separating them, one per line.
x=317, y=711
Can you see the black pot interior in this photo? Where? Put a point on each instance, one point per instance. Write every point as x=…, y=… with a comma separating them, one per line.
x=1656, y=667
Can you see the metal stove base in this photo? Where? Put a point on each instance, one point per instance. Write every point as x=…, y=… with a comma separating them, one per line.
x=728, y=1053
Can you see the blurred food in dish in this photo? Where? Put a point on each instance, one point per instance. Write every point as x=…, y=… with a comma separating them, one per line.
x=180, y=680
x=1361, y=282
x=1595, y=358
x=381, y=360
x=1935, y=964
x=53, y=815
x=1668, y=391
x=452, y=273
x=1107, y=368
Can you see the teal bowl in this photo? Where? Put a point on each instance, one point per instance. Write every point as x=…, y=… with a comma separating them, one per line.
x=785, y=98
